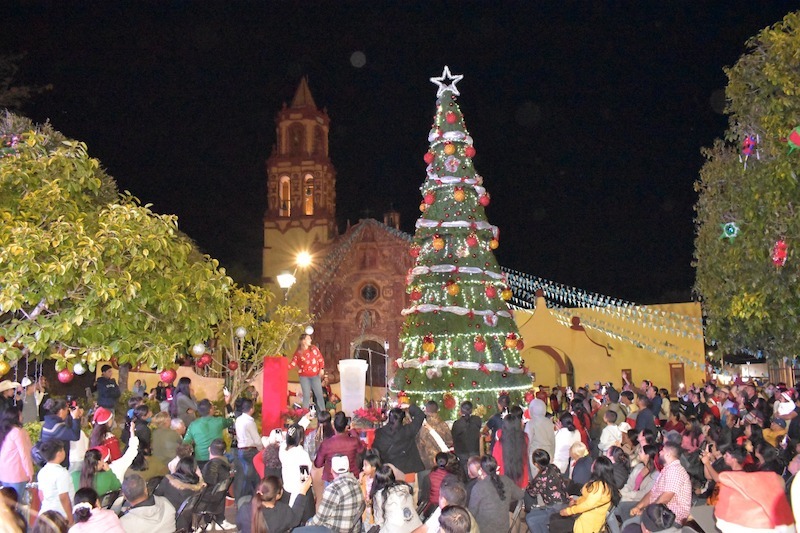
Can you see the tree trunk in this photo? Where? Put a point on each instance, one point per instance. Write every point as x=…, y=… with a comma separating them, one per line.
x=123, y=376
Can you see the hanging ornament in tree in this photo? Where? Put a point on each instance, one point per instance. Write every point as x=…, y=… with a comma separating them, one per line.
x=423, y=207
x=449, y=401
x=480, y=344
x=413, y=251
x=428, y=345
x=429, y=157
x=198, y=349
x=794, y=139
x=511, y=340
x=506, y=294
x=491, y=291
x=233, y=365
x=4, y=368
x=452, y=288
x=484, y=199
x=490, y=319
x=429, y=198
x=749, y=146
x=65, y=376
x=493, y=244
x=462, y=251
x=449, y=148
x=438, y=242
x=472, y=240
x=779, y=253
x=416, y=294
x=458, y=194
x=450, y=117
x=452, y=163
x=469, y=151
x=79, y=369
x=729, y=230
x=168, y=375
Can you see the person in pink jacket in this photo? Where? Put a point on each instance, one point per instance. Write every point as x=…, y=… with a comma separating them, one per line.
x=90, y=517
x=15, y=452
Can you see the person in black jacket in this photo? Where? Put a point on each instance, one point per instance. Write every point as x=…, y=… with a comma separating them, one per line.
x=107, y=389
x=397, y=442
x=63, y=423
x=269, y=510
x=466, y=434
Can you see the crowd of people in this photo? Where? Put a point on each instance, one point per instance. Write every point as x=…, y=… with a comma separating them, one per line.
x=594, y=459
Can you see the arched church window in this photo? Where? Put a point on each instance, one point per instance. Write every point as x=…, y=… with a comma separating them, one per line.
x=308, y=195
x=296, y=135
x=319, y=141
x=285, y=196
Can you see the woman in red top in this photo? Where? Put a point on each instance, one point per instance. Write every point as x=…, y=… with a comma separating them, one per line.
x=511, y=448
x=310, y=365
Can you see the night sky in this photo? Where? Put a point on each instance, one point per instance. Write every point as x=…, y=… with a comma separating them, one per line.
x=588, y=117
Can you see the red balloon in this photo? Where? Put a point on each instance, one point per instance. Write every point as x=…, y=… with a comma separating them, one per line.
x=233, y=365
x=65, y=376
x=168, y=375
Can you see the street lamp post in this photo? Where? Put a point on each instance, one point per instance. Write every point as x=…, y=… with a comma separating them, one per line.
x=287, y=280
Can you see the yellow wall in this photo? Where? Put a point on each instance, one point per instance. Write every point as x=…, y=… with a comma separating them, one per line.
x=595, y=356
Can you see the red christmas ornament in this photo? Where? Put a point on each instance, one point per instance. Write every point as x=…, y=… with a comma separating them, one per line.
x=450, y=117
x=430, y=198
x=491, y=291
x=65, y=376
x=452, y=385
x=469, y=151
x=428, y=157
x=414, y=251
x=520, y=345
x=168, y=375
x=233, y=365
x=474, y=383
x=408, y=381
x=472, y=240
x=779, y=253
x=416, y=294
x=206, y=359
x=448, y=400
x=480, y=344
x=484, y=200
x=505, y=375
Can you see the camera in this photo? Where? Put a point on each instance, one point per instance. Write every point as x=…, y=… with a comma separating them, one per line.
x=72, y=402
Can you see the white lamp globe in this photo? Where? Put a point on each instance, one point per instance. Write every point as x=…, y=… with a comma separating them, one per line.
x=240, y=332
x=309, y=330
x=198, y=349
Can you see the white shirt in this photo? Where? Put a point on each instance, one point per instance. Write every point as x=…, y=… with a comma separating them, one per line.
x=247, y=433
x=564, y=441
x=291, y=461
x=611, y=436
x=54, y=480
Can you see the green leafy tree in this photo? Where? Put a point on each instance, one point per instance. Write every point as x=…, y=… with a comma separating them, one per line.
x=749, y=203
x=87, y=273
x=459, y=338
x=252, y=330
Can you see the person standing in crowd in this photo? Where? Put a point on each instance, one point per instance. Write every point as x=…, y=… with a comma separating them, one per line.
x=344, y=442
x=42, y=396
x=496, y=421
x=165, y=437
x=540, y=429
x=466, y=434
x=310, y=366
x=295, y=465
x=511, y=449
x=434, y=437
x=204, y=430
x=108, y=392
x=62, y=424
x=55, y=486
x=15, y=452
x=249, y=442
x=103, y=421
x=396, y=442
x=342, y=502
x=30, y=407
x=183, y=405
x=566, y=436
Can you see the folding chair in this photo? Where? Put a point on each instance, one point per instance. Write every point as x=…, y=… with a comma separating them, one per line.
x=612, y=524
x=108, y=499
x=184, y=517
x=205, y=513
x=516, y=515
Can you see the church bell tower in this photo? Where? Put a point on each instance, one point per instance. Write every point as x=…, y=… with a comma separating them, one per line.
x=301, y=195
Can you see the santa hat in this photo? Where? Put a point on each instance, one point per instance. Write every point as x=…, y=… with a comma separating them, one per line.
x=105, y=453
x=753, y=502
x=102, y=416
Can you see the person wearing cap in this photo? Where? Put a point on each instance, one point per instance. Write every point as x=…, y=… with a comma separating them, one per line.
x=103, y=421
x=8, y=390
x=776, y=431
x=342, y=501
x=30, y=406
x=108, y=392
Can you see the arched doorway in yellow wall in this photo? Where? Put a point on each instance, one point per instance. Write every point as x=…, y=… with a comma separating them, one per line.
x=551, y=366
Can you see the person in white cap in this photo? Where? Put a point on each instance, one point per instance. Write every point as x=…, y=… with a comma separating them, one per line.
x=7, y=391
x=342, y=502
x=30, y=407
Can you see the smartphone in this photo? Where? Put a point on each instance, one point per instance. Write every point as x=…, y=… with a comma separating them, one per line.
x=304, y=472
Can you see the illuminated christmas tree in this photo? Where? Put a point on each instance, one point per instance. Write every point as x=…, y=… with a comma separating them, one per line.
x=460, y=341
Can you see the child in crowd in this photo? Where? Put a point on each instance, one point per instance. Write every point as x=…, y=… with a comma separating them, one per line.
x=55, y=484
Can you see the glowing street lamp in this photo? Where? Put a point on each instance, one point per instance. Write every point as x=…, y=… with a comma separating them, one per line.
x=287, y=280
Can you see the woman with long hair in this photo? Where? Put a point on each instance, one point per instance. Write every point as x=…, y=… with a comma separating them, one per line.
x=511, y=449
x=181, y=484
x=692, y=437
x=103, y=422
x=295, y=466
x=446, y=464
x=266, y=512
x=622, y=465
x=588, y=513
x=391, y=502
x=549, y=484
x=372, y=461
x=396, y=442
x=640, y=480
x=324, y=430
x=15, y=452
x=95, y=473
x=566, y=436
x=492, y=496
x=89, y=517
x=581, y=419
x=183, y=405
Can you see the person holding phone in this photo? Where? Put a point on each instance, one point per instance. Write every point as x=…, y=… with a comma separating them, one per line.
x=295, y=466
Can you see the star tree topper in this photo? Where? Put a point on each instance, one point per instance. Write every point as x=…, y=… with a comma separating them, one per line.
x=449, y=85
